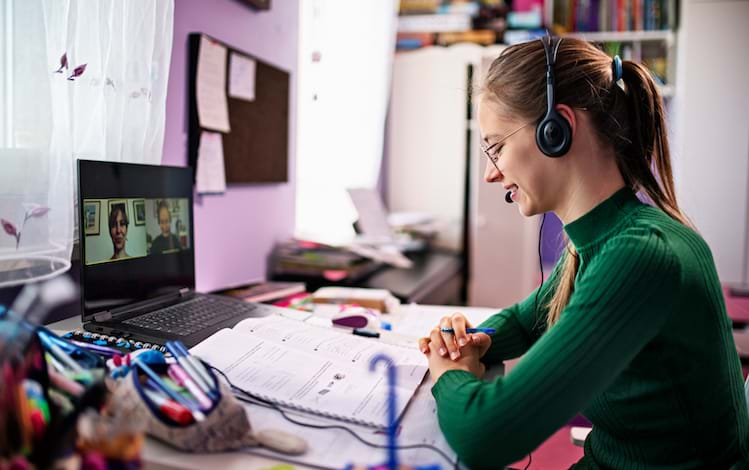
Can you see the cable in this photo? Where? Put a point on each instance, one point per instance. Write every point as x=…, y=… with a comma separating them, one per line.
x=254, y=399
x=535, y=300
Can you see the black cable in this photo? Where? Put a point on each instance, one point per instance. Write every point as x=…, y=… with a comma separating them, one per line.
x=535, y=300
x=254, y=399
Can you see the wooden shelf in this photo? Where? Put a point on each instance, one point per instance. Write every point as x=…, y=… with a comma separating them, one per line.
x=625, y=36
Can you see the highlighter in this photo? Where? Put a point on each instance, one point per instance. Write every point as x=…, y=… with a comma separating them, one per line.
x=170, y=408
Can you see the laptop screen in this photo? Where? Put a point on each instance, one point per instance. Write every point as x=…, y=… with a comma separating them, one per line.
x=136, y=233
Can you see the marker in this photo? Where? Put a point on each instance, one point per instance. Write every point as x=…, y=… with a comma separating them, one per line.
x=173, y=348
x=197, y=414
x=197, y=365
x=488, y=331
x=179, y=375
x=104, y=350
x=169, y=408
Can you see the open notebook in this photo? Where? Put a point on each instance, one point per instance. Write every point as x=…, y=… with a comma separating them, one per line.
x=311, y=368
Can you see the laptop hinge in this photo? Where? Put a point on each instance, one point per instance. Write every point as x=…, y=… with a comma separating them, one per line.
x=141, y=307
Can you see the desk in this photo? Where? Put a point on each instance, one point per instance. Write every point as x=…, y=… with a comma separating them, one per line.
x=419, y=425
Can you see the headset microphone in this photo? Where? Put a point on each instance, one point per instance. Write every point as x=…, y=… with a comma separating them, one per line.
x=508, y=197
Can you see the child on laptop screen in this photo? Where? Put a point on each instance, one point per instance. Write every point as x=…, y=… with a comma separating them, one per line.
x=630, y=329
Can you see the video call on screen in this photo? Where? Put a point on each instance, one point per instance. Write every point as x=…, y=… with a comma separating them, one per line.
x=125, y=228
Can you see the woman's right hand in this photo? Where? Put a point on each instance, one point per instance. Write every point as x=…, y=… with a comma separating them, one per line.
x=452, y=343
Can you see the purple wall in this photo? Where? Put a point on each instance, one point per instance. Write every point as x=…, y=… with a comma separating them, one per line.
x=234, y=232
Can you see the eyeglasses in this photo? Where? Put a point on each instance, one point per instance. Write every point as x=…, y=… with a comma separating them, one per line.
x=493, y=156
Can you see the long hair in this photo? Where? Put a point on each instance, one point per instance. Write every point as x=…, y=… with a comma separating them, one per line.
x=630, y=118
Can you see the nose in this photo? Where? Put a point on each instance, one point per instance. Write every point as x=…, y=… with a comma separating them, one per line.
x=491, y=174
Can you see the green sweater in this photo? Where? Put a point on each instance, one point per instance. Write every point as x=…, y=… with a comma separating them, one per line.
x=643, y=349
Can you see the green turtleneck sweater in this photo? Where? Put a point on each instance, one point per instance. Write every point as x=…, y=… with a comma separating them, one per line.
x=643, y=349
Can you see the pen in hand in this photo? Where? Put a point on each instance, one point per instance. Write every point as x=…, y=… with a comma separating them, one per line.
x=488, y=331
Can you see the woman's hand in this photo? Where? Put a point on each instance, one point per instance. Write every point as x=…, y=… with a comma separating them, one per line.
x=468, y=361
x=451, y=344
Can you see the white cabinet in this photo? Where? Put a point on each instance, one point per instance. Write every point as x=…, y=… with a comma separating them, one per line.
x=427, y=147
x=711, y=155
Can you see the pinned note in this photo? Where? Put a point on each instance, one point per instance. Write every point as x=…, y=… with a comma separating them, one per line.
x=211, y=177
x=210, y=86
x=242, y=77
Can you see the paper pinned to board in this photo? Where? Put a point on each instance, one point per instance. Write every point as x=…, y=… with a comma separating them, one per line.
x=211, y=177
x=242, y=77
x=210, y=86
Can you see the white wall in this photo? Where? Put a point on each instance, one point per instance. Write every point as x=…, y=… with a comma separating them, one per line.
x=712, y=128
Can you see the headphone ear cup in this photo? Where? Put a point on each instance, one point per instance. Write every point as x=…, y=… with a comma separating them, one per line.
x=553, y=135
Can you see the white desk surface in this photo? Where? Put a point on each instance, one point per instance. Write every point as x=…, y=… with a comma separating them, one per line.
x=157, y=455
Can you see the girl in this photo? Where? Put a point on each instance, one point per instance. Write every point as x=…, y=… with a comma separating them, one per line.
x=630, y=328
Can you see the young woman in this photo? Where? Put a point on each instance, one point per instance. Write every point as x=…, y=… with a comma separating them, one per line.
x=630, y=329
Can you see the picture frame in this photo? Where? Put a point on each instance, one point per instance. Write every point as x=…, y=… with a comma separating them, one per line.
x=259, y=4
x=119, y=202
x=91, y=218
x=139, y=211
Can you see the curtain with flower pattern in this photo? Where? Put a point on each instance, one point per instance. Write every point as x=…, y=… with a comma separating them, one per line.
x=78, y=79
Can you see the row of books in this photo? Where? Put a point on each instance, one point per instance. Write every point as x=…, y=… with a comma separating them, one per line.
x=613, y=15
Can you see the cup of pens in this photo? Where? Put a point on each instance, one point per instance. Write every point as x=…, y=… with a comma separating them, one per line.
x=182, y=403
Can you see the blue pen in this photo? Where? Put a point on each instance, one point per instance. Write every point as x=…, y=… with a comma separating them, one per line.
x=173, y=347
x=488, y=331
x=197, y=414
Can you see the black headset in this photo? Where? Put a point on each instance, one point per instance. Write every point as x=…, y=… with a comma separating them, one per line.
x=553, y=132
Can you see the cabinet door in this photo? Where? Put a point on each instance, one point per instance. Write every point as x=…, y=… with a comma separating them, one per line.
x=712, y=128
x=504, y=258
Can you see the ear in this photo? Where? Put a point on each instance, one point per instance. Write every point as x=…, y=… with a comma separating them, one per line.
x=569, y=115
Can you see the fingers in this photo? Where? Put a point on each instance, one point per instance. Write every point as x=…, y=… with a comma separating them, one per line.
x=424, y=345
x=459, y=329
x=448, y=339
x=482, y=341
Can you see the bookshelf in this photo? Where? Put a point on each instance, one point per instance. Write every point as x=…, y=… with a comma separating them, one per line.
x=656, y=49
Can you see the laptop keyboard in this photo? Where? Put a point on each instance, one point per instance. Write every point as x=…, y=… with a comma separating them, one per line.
x=186, y=318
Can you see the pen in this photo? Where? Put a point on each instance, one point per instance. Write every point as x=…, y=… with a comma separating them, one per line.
x=197, y=414
x=173, y=348
x=59, y=354
x=488, y=331
x=197, y=365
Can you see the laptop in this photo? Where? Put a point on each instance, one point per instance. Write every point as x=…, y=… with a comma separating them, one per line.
x=137, y=257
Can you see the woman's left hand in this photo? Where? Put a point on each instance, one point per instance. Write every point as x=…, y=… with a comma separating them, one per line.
x=469, y=360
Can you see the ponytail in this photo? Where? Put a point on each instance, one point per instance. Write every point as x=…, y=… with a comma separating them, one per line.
x=642, y=155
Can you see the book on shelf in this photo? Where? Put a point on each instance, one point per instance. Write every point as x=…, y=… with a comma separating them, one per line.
x=436, y=23
x=613, y=15
x=316, y=369
x=265, y=291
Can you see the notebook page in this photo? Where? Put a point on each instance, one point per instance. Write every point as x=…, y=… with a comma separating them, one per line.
x=304, y=381
x=336, y=344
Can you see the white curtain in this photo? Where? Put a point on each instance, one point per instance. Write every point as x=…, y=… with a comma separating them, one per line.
x=345, y=70
x=78, y=79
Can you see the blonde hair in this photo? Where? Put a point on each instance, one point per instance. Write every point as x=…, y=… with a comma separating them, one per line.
x=631, y=119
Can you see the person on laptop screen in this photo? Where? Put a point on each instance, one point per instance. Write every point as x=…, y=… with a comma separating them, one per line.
x=166, y=241
x=118, y=224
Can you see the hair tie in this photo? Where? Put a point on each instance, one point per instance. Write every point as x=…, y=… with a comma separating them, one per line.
x=617, y=68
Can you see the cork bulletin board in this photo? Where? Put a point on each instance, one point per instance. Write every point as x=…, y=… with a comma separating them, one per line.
x=255, y=150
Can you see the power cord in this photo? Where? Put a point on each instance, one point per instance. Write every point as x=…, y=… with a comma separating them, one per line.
x=251, y=398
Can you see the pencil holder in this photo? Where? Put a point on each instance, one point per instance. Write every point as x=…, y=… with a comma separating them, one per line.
x=225, y=427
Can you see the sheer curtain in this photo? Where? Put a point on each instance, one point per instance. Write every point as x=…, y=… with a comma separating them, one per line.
x=78, y=79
